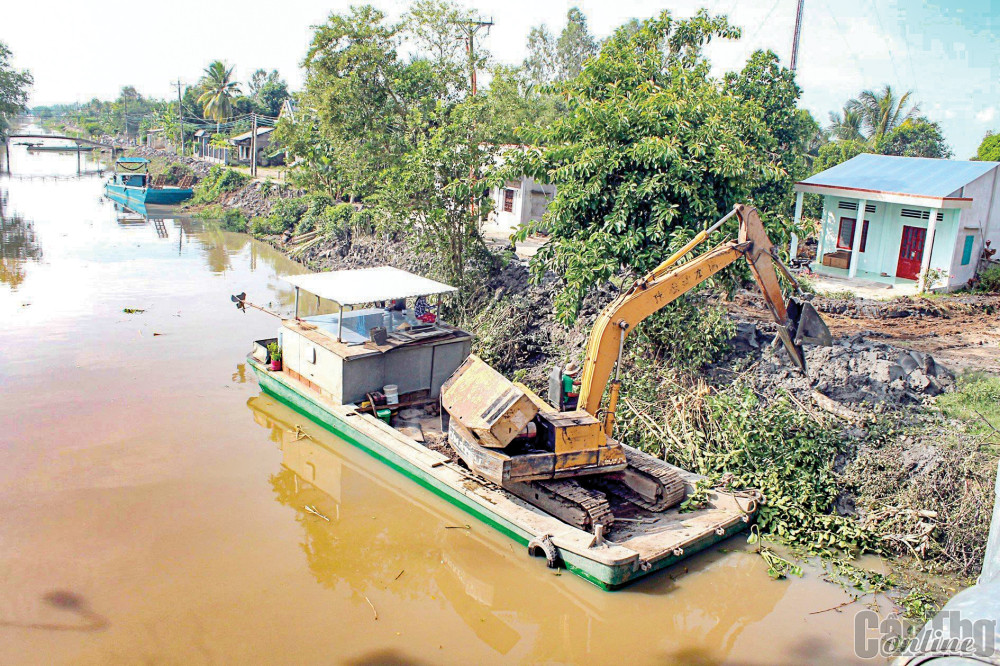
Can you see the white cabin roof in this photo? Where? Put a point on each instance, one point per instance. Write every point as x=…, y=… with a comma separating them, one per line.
x=367, y=285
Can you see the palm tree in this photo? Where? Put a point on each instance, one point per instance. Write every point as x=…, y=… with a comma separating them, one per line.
x=882, y=111
x=219, y=90
x=846, y=126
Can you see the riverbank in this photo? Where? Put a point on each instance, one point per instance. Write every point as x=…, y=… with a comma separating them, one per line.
x=892, y=462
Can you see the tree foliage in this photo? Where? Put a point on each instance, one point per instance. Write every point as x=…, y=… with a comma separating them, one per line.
x=989, y=149
x=882, y=111
x=14, y=87
x=915, y=138
x=219, y=88
x=652, y=147
x=561, y=58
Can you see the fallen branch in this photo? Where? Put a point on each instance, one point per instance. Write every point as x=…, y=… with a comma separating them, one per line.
x=370, y=604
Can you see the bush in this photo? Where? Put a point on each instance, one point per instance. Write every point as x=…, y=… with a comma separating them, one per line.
x=338, y=218
x=686, y=336
x=218, y=181
x=173, y=173
x=265, y=226
x=989, y=279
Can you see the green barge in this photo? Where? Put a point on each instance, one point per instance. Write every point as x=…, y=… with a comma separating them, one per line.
x=331, y=372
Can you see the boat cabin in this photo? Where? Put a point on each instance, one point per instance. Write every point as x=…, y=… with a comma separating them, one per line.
x=131, y=172
x=385, y=331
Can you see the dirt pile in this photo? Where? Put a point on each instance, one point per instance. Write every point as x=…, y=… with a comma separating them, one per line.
x=853, y=370
x=199, y=167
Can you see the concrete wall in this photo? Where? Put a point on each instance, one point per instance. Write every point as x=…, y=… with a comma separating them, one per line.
x=530, y=201
x=981, y=221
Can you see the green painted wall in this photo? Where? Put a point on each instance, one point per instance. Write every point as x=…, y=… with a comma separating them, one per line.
x=885, y=231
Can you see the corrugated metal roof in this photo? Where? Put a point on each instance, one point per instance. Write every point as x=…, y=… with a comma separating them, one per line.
x=247, y=135
x=367, y=285
x=919, y=176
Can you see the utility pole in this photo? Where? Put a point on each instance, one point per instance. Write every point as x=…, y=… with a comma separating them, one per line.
x=125, y=113
x=798, y=34
x=470, y=28
x=180, y=114
x=253, y=146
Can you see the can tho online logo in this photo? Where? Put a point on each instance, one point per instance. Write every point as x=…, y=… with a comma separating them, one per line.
x=948, y=634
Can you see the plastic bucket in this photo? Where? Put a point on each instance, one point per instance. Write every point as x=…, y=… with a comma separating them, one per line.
x=391, y=394
x=384, y=414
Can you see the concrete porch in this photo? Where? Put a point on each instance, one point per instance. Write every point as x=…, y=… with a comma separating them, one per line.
x=826, y=279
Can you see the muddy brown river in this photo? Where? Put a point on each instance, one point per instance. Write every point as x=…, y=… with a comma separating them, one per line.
x=155, y=508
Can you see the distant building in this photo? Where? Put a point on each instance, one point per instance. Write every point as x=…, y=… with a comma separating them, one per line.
x=517, y=202
x=895, y=219
x=244, y=145
x=204, y=149
x=288, y=109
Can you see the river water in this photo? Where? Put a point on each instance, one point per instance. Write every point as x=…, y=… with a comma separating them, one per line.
x=154, y=507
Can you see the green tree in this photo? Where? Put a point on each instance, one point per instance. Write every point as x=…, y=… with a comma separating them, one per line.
x=219, y=88
x=575, y=45
x=989, y=149
x=259, y=79
x=653, y=147
x=434, y=193
x=14, y=87
x=915, y=137
x=846, y=126
x=836, y=152
x=882, y=111
x=553, y=59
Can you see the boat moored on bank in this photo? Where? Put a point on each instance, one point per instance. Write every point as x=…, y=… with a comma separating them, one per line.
x=132, y=184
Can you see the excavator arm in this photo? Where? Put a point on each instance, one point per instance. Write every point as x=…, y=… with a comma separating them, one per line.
x=665, y=284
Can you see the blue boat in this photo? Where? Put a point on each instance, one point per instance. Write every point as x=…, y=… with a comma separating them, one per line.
x=132, y=185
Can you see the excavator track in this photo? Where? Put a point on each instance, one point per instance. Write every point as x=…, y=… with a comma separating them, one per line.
x=568, y=501
x=647, y=482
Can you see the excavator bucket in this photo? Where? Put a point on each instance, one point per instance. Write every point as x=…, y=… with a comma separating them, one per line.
x=809, y=327
x=805, y=326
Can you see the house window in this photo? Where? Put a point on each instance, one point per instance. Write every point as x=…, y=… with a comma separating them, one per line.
x=967, y=250
x=508, y=200
x=845, y=235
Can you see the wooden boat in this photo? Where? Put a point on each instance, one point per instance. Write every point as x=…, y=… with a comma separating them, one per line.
x=131, y=185
x=330, y=372
x=37, y=148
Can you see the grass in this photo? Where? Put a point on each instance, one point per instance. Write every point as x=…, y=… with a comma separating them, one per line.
x=976, y=401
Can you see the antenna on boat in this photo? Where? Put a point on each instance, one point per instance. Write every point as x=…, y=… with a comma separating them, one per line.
x=242, y=304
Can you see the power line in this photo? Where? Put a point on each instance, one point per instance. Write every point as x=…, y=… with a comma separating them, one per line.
x=878, y=18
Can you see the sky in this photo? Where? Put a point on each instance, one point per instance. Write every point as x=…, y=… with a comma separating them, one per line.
x=946, y=51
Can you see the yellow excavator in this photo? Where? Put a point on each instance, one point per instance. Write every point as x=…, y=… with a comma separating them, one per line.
x=568, y=462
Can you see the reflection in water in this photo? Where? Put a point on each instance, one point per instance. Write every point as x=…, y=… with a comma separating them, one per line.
x=18, y=246
x=69, y=602
x=484, y=580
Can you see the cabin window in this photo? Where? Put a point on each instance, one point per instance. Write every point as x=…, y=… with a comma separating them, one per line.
x=508, y=200
x=967, y=250
x=845, y=235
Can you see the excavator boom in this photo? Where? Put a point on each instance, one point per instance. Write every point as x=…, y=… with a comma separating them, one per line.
x=666, y=283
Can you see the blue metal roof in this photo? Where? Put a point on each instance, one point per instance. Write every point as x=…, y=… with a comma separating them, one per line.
x=919, y=176
x=132, y=160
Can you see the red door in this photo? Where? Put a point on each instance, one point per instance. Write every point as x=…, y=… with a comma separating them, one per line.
x=911, y=252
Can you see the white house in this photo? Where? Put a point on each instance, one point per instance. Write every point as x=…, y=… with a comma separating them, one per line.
x=896, y=219
x=518, y=202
